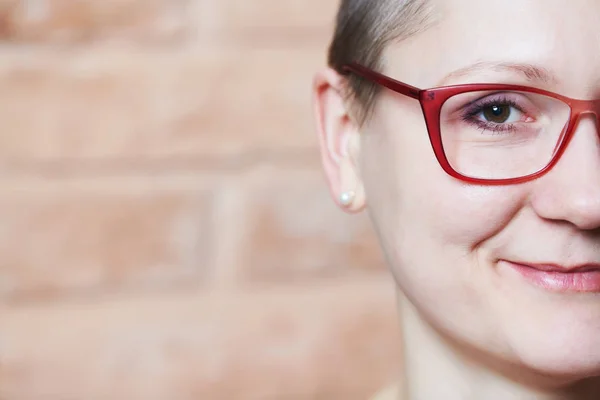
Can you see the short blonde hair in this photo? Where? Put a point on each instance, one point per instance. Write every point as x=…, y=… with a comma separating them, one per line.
x=363, y=29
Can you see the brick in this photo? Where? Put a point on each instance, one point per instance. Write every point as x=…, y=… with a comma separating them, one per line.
x=293, y=230
x=61, y=238
x=337, y=341
x=267, y=21
x=76, y=21
x=99, y=105
x=277, y=13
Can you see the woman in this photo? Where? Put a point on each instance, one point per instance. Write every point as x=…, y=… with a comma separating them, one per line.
x=485, y=195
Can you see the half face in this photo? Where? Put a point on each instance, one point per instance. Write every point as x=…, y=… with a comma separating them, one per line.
x=511, y=270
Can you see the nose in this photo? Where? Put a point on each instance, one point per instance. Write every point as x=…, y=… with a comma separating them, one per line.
x=570, y=192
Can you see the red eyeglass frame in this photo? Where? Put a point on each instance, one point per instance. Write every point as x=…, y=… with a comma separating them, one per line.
x=433, y=99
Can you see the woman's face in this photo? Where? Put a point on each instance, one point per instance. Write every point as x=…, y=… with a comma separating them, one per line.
x=450, y=244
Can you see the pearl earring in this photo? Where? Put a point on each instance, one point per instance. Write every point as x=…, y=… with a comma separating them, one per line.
x=346, y=198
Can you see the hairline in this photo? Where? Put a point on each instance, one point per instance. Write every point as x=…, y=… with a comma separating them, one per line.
x=366, y=31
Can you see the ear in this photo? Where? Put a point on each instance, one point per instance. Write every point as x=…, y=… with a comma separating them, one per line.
x=339, y=140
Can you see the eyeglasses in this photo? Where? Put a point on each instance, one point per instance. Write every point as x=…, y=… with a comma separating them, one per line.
x=492, y=134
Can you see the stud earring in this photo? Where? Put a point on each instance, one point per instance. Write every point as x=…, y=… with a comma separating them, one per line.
x=346, y=198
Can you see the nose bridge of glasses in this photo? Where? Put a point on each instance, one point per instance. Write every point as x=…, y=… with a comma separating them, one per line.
x=594, y=108
x=581, y=110
x=586, y=107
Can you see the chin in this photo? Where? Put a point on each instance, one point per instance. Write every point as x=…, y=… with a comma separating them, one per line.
x=567, y=369
x=554, y=334
x=561, y=355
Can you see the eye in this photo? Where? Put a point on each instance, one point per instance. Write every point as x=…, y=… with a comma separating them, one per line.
x=499, y=113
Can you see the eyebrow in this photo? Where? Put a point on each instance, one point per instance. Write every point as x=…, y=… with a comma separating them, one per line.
x=530, y=72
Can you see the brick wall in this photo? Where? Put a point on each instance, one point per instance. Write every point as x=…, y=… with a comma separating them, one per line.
x=165, y=229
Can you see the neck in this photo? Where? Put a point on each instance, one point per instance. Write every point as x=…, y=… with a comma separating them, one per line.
x=436, y=368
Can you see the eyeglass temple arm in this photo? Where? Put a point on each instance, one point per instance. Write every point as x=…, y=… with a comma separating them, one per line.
x=383, y=80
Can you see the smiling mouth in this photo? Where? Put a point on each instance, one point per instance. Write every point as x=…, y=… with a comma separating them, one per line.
x=557, y=278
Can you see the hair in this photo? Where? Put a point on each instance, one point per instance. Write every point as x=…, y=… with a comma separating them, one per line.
x=364, y=28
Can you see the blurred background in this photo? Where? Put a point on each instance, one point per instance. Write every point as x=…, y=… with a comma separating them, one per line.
x=165, y=229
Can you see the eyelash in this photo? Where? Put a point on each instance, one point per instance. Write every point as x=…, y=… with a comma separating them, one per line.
x=476, y=108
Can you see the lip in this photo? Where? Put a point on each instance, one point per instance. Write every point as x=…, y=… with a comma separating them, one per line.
x=580, y=278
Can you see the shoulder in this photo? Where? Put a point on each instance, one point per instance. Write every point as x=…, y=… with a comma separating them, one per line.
x=390, y=393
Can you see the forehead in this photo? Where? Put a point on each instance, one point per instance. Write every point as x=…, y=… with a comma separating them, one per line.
x=559, y=36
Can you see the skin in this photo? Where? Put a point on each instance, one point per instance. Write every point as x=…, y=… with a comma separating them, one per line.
x=474, y=328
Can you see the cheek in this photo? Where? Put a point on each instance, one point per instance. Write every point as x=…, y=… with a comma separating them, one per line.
x=440, y=230
x=429, y=223
x=433, y=228
x=427, y=199
x=462, y=215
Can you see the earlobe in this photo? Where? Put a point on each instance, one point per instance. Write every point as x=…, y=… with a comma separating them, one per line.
x=339, y=141
x=351, y=195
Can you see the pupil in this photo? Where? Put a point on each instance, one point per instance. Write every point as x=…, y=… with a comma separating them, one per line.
x=497, y=114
